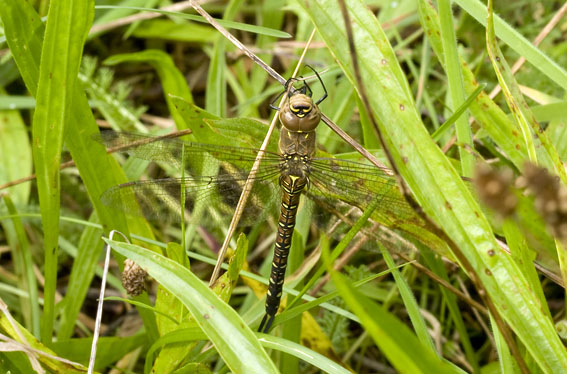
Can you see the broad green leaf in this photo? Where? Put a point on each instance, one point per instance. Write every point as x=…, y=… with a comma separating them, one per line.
x=168, y=305
x=224, y=286
x=181, y=32
x=170, y=351
x=15, y=158
x=403, y=349
x=210, y=129
x=432, y=179
x=233, y=339
x=172, y=81
x=316, y=359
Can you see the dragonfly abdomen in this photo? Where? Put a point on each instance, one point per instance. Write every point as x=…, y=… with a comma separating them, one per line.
x=292, y=186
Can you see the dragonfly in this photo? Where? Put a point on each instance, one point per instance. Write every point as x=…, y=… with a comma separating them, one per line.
x=283, y=177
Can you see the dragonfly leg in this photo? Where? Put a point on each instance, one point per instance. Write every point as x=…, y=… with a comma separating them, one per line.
x=272, y=104
x=322, y=85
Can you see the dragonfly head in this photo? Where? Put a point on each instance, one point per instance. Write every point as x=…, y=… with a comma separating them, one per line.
x=300, y=113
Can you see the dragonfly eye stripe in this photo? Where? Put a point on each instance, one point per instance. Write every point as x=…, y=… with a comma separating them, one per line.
x=303, y=108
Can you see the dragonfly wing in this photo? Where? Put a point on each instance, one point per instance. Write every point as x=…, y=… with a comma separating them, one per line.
x=357, y=185
x=174, y=151
x=216, y=176
x=160, y=199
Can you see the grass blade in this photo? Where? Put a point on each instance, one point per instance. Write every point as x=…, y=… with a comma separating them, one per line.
x=232, y=338
x=456, y=89
x=435, y=183
x=60, y=60
x=517, y=42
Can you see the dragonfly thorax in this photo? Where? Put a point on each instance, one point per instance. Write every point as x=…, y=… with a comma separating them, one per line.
x=295, y=165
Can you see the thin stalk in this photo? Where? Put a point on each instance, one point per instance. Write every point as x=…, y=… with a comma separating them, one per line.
x=250, y=181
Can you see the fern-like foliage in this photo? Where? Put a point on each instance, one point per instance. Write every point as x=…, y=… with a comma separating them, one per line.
x=109, y=97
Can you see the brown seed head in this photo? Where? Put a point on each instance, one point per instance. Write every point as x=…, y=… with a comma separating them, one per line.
x=550, y=197
x=133, y=278
x=494, y=188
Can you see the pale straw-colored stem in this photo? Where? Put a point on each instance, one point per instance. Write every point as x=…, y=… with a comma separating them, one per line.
x=250, y=181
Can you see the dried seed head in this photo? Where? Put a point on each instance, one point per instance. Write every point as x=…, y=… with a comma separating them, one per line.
x=562, y=199
x=133, y=278
x=550, y=197
x=494, y=188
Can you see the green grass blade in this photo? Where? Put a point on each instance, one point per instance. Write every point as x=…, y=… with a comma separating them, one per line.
x=550, y=112
x=525, y=120
x=60, y=60
x=517, y=42
x=456, y=89
x=215, y=97
x=172, y=81
x=409, y=302
x=403, y=349
x=293, y=312
x=501, y=68
x=21, y=253
x=436, y=264
x=15, y=158
x=435, y=183
x=449, y=122
x=98, y=174
x=340, y=248
x=233, y=339
x=225, y=23
x=80, y=279
x=176, y=32
x=316, y=359
x=485, y=111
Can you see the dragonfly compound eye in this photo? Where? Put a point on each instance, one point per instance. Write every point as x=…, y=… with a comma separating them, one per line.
x=300, y=114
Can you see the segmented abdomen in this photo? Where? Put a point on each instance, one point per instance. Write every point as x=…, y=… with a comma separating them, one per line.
x=292, y=187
